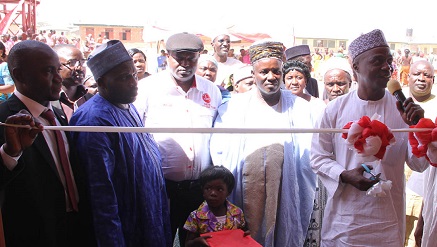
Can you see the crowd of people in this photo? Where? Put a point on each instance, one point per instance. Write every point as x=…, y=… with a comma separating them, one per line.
x=104, y=187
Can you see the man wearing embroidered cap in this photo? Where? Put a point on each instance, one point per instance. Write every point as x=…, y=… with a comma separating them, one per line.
x=302, y=53
x=351, y=217
x=271, y=171
x=178, y=98
x=124, y=175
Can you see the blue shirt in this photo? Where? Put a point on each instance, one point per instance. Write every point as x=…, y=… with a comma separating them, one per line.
x=5, y=79
x=162, y=61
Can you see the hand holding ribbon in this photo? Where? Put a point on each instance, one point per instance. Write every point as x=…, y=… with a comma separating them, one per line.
x=369, y=137
x=419, y=141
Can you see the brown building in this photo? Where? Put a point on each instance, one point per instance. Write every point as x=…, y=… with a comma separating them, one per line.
x=126, y=34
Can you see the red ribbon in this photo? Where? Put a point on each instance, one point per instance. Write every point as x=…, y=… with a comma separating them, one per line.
x=371, y=128
x=419, y=140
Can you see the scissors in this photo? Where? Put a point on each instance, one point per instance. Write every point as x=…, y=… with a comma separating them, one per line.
x=373, y=177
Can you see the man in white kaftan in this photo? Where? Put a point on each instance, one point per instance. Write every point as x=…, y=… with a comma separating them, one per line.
x=429, y=211
x=353, y=218
x=275, y=185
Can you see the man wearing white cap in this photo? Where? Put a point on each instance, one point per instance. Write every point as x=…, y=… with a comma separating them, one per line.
x=243, y=79
x=353, y=218
x=337, y=78
x=123, y=170
x=177, y=97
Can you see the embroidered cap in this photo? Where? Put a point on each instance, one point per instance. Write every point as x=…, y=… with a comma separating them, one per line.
x=366, y=42
x=106, y=57
x=266, y=49
x=297, y=51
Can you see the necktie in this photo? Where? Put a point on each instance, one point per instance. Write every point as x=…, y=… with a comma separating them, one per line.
x=63, y=158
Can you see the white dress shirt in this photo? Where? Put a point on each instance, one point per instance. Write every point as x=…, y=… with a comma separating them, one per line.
x=162, y=103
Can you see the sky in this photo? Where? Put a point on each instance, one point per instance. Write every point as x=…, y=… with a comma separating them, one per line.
x=278, y=18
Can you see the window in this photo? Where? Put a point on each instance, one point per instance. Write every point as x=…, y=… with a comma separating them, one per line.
x=342, y=44
x=331, y=43
x=125, y=34
x=319, y=43
x=304, y=42
x=109, y=33
x=392, y=47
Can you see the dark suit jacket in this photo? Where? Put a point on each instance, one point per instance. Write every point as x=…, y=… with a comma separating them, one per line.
x=312, y=87
x=34, y=210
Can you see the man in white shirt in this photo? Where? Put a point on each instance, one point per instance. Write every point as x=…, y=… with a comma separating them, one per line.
x=177, y=97
x=420, y=83
x=351, y=217
x=226, y=65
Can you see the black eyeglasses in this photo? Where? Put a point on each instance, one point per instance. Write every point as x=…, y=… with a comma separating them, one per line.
x=72, y=63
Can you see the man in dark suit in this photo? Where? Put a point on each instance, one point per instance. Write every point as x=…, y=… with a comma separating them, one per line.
x=43, y=204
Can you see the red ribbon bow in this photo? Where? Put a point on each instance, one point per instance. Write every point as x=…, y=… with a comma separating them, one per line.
x=419, y=140
x=371, y=128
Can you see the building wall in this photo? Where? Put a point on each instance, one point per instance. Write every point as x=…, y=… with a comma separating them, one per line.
x=126, y=34
x=335, y=44
x=134, y=34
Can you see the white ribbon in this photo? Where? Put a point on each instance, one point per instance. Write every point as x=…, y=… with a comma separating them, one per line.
x=200, y=130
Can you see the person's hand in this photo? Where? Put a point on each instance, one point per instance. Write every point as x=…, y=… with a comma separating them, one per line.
x=412, y=111
x=18, y=139
x=246, y=233
x=418, y=233
x=199, y=241
x=356, y=178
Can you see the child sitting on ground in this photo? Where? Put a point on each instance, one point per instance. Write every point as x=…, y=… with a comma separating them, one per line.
x=216, y=213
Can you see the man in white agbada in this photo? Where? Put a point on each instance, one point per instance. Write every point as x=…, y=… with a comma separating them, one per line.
x=420, y=83
x=275, y=185
x=351, y=217
x=429, y=210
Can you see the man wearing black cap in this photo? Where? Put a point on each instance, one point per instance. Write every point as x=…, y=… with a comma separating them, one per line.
x=302, y=53
x=123, y=170
x=177, y=97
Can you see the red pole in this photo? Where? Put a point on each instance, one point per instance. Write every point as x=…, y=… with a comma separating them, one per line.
x=2, y=236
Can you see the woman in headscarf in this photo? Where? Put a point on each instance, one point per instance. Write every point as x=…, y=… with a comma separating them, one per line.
x=296, y=75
